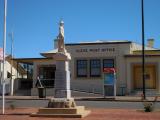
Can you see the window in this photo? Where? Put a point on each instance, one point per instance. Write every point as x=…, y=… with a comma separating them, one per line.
x=47, y=72
x=8, y=74
x=81, y=68
x=95, y=68
x=26, y=70
x=108, y=63
x=47, y=76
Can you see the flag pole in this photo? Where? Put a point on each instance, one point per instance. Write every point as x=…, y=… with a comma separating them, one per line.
x=4, y=48
x=12, y=81
x=143, y=50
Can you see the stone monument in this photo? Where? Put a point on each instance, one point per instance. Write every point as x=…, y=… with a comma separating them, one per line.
x=62, y=105
x=62, y=74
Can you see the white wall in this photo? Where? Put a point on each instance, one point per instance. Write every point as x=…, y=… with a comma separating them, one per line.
x=97, y=83
x=14, y=73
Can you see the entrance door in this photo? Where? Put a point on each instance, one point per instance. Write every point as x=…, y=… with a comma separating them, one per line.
x=47, y=75
x=109, y=84
x=150, y=77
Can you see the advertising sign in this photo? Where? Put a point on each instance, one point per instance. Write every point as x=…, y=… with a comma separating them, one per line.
x=109, y=79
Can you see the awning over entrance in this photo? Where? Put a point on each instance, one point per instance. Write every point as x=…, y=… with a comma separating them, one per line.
x=29, y=60
x=25, y=66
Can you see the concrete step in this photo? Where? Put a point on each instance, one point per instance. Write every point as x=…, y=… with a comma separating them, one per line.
x=149, y=92
x=76, y=110
x=84, y=114
x=22, y=92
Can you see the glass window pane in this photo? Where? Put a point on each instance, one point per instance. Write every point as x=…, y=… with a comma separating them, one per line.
x=81, y=68
x=95, y=68
x=108, y=63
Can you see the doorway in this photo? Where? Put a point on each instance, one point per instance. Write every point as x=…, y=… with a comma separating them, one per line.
x=47, y=75
x=150, y=77
x=109, y=84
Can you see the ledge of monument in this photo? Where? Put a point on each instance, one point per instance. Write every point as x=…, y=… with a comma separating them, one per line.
x=62, y=56
x=61, y=103
x=61, y=99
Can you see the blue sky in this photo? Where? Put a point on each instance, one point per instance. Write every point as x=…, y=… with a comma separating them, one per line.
x=35, y=22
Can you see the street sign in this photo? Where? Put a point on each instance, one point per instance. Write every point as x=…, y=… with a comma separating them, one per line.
x=109, y=70
x=109, y=82
x=1, y=54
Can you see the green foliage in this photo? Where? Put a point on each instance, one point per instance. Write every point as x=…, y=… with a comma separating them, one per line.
x=148, y=106
x=12, y=106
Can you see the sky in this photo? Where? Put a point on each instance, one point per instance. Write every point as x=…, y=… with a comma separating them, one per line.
x=35, y=22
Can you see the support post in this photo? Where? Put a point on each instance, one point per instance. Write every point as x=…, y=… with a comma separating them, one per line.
x=4, y=52
x=12, y=80
x=143, y=51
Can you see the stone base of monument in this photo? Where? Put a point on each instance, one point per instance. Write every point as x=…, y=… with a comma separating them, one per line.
x=61, y=107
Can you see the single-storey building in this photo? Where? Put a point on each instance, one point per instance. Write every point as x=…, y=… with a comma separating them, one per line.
x=89, y=61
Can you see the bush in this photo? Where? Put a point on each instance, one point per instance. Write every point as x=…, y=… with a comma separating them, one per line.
x=148, y=106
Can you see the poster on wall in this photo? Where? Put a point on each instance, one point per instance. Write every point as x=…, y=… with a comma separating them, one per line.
x=109, y=79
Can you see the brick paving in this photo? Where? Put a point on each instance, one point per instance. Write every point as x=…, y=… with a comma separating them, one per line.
x=96, y=114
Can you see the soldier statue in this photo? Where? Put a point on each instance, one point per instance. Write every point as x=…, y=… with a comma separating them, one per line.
x=61, y=46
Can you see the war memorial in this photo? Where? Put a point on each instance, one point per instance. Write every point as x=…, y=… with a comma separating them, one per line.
x=62, y=105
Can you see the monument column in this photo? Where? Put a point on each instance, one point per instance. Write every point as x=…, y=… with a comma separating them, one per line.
x=62, y=78
x=62, y=73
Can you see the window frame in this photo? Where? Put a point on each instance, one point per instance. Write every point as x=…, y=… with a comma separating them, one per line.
x=77, y=68
x=96, y=67
x=112, y=64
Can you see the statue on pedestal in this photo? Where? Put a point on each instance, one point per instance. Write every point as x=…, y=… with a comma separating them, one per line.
x=62, y=104
x=61, y=46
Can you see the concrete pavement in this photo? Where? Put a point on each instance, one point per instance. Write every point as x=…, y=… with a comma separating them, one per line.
x=117, y=98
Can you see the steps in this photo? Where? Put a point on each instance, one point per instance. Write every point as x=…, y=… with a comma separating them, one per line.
x=149, y=92
x=76, y=112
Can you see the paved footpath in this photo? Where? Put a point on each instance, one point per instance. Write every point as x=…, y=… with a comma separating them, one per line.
x=100, y=98
x=96, y=114
x=22, y=113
